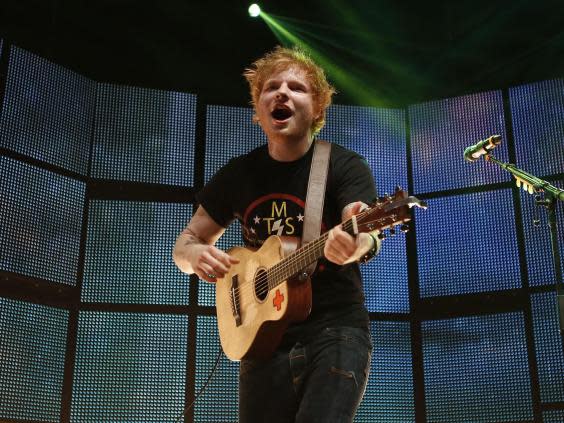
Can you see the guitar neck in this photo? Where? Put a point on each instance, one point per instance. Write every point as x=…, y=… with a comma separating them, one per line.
x=292, y=264
x=385, y=213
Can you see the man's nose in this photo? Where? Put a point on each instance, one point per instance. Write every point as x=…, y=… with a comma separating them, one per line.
x=282, y=91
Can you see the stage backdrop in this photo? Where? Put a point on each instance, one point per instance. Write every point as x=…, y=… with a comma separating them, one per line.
x=97, y=324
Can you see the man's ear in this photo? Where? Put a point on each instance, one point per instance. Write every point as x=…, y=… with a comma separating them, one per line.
x=317, y=116
x=316, y=112
x=256, y=119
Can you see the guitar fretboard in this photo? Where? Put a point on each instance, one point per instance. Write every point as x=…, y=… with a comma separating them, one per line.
x=292, y=264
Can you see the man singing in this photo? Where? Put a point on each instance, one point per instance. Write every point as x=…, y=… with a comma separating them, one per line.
x=320, y=369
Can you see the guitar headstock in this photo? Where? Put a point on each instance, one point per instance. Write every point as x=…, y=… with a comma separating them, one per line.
x=388, y=211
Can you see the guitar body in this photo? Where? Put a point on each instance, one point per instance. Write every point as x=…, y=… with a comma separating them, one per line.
x=251, y=317
x=261, y=296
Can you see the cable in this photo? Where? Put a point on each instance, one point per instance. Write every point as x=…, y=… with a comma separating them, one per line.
x=215, y=366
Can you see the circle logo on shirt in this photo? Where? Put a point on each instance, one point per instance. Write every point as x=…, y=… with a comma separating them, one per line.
x=273, y=214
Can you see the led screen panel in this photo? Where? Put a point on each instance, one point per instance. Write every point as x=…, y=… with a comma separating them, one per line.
x=385, y=278
x=441, y=131
x=537, y=112
x=476, y=369
x=467, y=244
x=130, y=367
x=379, y=135
x=47, y=112
x=144, y=135
x=553, y=416
x=41, y=221
x=230, y=132
x=389, y=394
x=129, y=253
x=548, y=347
x=32, y=360
x=220, y=401
x=538, y=246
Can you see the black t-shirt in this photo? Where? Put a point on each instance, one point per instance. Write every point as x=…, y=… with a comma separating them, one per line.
x=268, y=196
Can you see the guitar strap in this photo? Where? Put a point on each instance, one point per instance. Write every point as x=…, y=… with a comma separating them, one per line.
x=313, y=211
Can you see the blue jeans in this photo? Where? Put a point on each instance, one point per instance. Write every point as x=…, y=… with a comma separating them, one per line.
x=322, y=381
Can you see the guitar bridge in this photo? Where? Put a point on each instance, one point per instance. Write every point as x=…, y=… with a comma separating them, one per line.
x=234, y=297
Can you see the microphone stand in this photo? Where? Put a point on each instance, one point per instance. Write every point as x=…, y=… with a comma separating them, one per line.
x=552, y=194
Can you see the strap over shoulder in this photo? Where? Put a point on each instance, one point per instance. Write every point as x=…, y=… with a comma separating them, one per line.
x=315, y=197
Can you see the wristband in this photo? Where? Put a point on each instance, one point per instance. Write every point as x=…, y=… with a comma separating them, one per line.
x=369, y=255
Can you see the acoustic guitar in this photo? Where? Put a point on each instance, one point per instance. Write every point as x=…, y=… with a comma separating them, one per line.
x=267, y=289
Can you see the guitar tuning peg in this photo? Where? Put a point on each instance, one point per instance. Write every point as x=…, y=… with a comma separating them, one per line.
x=405, y=228
x=392, y=231
x=381, y=235
x=398, y=188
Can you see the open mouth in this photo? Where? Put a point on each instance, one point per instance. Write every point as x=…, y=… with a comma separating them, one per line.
x=281, y=113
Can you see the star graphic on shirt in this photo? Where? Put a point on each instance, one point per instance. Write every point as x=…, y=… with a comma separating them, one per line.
x=257, y=220
x=300, y=218
x=253, y=230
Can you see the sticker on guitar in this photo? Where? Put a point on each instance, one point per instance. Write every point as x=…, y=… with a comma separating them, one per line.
x=278, y=300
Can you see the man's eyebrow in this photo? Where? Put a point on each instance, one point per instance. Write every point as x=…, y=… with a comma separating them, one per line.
x=298, y=82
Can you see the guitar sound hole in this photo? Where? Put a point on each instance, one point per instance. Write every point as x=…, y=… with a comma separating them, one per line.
x=261, y=285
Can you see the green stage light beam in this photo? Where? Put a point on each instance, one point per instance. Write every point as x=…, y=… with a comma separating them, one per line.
x=344, y=79
x=303, y=33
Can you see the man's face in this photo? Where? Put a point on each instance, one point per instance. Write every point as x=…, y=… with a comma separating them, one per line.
x=285, y=107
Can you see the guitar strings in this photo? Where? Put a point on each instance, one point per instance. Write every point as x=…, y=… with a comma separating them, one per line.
x=276, y=273
x=275, y=276
x=291, y=262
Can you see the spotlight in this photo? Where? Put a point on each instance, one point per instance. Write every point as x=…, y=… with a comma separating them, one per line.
x=254, y=10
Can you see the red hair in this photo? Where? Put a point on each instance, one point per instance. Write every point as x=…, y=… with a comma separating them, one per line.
x=281, y=59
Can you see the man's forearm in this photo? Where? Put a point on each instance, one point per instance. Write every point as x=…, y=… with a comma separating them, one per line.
x=185, y=243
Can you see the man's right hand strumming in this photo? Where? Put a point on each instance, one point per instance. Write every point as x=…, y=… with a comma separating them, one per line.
x=194, y=250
